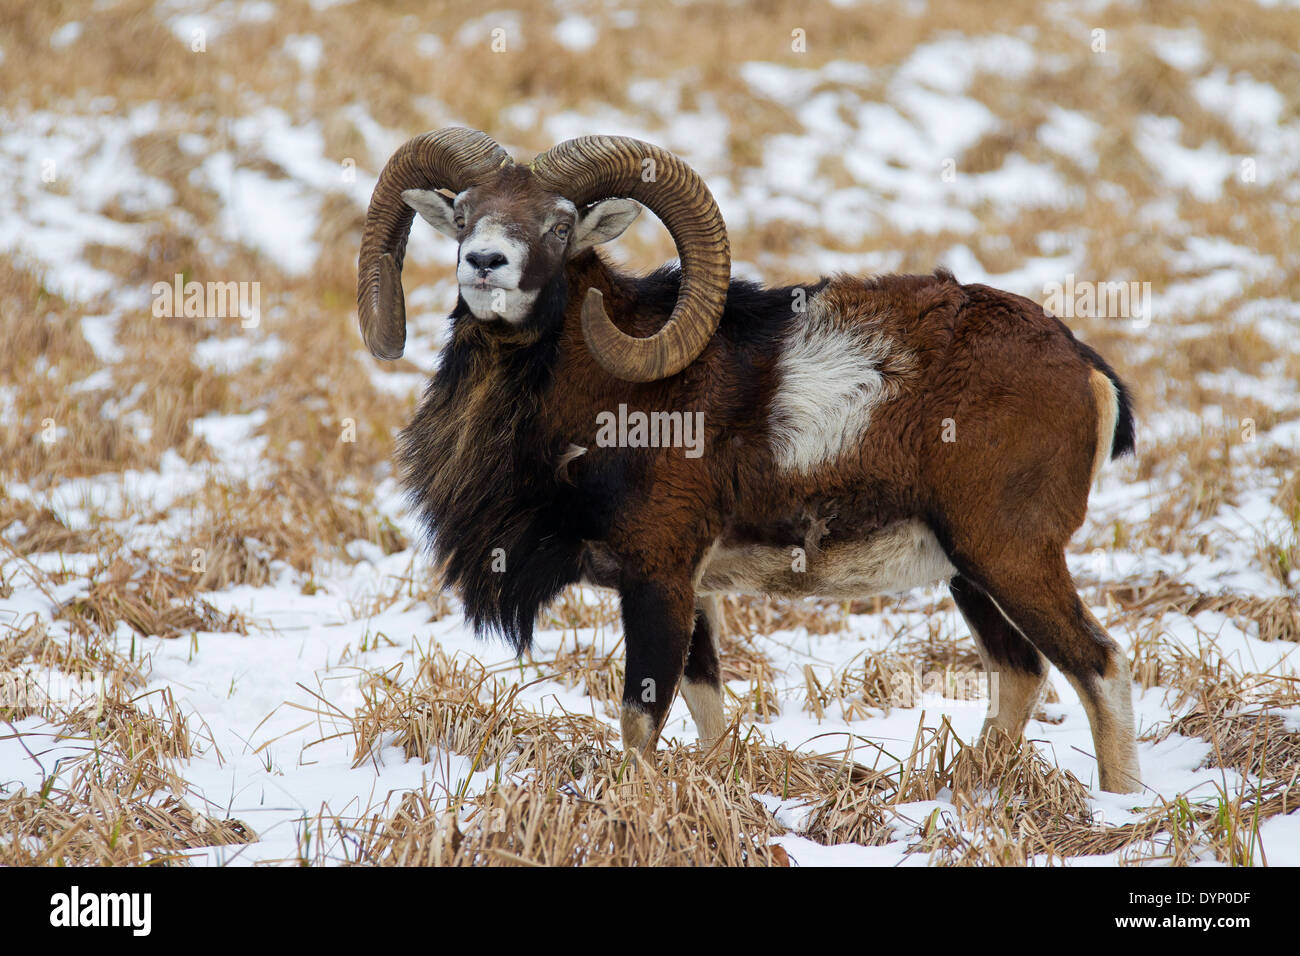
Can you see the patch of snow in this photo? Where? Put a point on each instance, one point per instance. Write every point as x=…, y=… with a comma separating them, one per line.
x=949, y=64
x=429, y=45
x=1199, y=172
x=576, y=33
x=306, y=48
x=229, y=355
x=66, y=35
x=70, y=169
x=1072, y=134
x=483, y=30
x=275, y=216
x=1249, y=105
x=1182, y=49
x=100, y=332
x=232, y=440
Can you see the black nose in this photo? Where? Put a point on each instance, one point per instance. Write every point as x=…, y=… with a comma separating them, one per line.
x=485, y=261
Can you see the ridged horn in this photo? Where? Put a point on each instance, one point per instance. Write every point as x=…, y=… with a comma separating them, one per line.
x=591, y=168
x=451, y=158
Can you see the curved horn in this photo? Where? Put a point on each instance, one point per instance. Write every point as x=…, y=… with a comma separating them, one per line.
x=592, y=168
x=451, y=158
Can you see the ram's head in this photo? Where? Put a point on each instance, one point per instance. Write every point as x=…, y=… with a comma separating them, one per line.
x=517, y=226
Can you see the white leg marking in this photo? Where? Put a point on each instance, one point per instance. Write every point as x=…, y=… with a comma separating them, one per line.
x=1108, y=701
x=704, y=698
x=1013, y=694
x=639, y=732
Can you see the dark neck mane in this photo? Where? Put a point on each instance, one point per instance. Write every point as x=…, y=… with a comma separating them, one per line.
x=480, y=474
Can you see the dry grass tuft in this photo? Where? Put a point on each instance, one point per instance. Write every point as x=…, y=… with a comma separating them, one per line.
x=106, y=824
x=751, y=617
x=879, y=681
x=416, y=587
x=134, y=733
x=876, y=682
x=849, y=815
x=585, y=803
x=1252, y=743
x=1222, y=827
x=1013, y=805
x=153, y=601
x=1268, y=618
x=31, y=529
x=572, y=610
x=739, y=659
x=39, y=647
x=444, y=708
x=291, y=517
x=674, y=819
x=1156, y=661
x=597, y=673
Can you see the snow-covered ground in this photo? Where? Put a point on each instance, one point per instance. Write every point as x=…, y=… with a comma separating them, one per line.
x=855, y=150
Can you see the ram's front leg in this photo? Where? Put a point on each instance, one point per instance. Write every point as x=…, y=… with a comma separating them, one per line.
x=658, y=617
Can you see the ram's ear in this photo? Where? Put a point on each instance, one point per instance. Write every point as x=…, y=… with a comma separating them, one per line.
x=434, y=208
x=603, y=221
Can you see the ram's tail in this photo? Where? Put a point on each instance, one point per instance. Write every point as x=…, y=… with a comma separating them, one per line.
x=1115, y=430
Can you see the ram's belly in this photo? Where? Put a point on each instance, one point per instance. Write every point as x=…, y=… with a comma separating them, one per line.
x=902, y=556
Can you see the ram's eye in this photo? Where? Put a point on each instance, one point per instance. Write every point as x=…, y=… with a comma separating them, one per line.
x=562, y=230
x=460, y=222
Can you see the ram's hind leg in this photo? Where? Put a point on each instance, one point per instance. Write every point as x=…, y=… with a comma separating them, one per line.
x=702, y=682
x=1017, y=671
x=1037, y=594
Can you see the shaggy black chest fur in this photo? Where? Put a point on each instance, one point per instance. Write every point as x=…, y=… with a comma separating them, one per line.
x=480, y=473
x=479, y=460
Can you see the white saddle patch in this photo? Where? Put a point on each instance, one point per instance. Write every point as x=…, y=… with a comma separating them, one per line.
x=831, y=381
